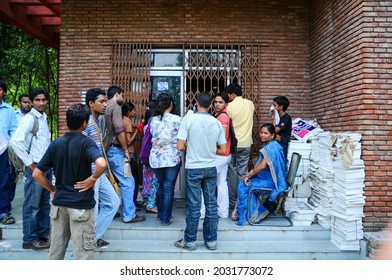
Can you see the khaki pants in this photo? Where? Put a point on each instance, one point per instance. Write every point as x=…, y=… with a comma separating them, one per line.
x=76, y=223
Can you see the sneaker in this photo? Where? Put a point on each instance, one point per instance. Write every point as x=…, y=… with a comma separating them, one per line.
x=211, y=245
x=190, y=246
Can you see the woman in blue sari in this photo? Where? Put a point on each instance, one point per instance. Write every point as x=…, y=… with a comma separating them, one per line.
x=269, y=173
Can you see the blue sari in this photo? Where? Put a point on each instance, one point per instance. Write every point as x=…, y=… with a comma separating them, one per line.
x=273, y=178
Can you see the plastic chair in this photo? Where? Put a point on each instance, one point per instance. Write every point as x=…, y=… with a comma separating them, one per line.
x=263, y=194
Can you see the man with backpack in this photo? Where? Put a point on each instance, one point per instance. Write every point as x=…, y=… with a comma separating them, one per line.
x=36, y=221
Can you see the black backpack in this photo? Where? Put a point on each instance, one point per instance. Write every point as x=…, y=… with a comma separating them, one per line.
x=234, y=141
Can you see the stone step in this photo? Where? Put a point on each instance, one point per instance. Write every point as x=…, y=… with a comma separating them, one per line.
x=150, y=240
x=162, y=249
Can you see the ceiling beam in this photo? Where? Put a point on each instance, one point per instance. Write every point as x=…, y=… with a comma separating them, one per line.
x=17, y=15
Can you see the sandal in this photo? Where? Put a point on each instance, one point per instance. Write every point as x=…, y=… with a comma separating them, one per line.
x=101, y=243
x=234, y=214
x=7, y=220
x=152, y=210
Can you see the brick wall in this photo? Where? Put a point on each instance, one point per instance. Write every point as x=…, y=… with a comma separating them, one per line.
x=331, y=58
x=351, y=70
x=89, y=26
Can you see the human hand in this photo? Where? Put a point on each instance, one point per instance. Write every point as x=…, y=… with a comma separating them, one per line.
x=85, y=185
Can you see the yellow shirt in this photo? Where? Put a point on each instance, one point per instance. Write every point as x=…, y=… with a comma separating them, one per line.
x=241, y=113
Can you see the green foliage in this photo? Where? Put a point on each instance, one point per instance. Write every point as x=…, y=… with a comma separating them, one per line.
x=25, y=64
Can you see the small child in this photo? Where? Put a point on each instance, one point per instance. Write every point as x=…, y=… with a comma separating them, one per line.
x=283, y=128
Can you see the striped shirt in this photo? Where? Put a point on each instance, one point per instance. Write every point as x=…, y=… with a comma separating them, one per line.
x=91, y=133
x=21, y=139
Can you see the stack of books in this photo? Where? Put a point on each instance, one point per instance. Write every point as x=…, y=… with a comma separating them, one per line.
x=349, y=199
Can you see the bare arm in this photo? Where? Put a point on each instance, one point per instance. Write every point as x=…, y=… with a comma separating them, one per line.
x=221, y=149
x=181, y=146
x=100, y=167
x=258, y=168
x=41, y=179
x=122, y=139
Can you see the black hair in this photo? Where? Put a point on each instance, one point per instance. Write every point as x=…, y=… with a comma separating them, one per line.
x=113, y=90
x=23, y=95
x=270, y=127
x=77, y=115
x=234, y=88
x=204, y=99
x=3, y=85
x=162, y=103
x=36, y=91
x=92, y=95
x=282, y=101
x=126, y=108
x=224, y=96
x=150, y=110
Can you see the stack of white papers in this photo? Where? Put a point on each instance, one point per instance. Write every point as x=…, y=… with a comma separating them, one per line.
x=302, y=216
x=346, y=234
x=349, y=200
x=322, y=176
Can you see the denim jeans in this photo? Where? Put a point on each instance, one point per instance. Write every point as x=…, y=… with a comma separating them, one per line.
x=116, y=158
x=167, y=177
x=237, y=168
x=7, y=185
x=107, y=204
x=197, y=181
x=36, y=207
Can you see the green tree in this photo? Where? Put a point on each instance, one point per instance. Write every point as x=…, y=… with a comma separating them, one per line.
x=25, y=64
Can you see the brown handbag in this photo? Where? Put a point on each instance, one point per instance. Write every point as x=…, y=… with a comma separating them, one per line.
x=109, y=174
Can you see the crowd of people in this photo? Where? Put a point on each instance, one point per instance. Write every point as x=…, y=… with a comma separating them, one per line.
x=84, y=202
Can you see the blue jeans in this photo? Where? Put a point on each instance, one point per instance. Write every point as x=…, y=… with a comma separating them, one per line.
x=116, y=158
x=167, y=177
x=198, y=181
x=7, y=185
x=36, y=207
x=107, y=204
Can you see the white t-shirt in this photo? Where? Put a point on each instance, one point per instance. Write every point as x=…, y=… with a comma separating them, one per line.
x=202, y=133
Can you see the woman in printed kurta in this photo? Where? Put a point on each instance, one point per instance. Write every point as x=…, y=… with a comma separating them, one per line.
x=165, y=159
x=269, y=173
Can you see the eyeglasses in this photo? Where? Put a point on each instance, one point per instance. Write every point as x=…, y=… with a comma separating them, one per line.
x=220, y=102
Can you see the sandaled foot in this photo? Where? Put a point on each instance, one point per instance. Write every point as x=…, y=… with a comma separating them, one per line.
x=7, y=220
x=153, y=210
x=102, y=243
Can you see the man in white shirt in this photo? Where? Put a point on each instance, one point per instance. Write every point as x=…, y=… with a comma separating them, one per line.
x=24, y=106
x=36, y=221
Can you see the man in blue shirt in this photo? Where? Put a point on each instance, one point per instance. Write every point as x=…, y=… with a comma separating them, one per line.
x=8, y=126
